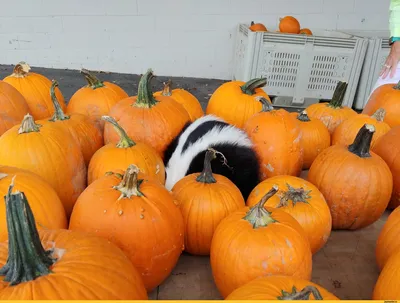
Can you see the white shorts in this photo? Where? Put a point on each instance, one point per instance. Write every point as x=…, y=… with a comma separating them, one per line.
x=387, y=80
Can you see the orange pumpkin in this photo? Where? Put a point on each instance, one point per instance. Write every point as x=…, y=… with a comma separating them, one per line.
x=385, y=96
x=257, y=27
x=281, y=288
x=388, y=148
x=49, y=151
x=276, y=136
x=95, y=99
x=346, y=132
x=356, y=183
x=61, y=264
x=118, y=156
x=289, y=24
x=236, y=102
x=332, y=114
x=146, y=118
x=35, y=89
x=256, y=242
x=138, y=215
x=303, y=201
x=306, y=31
x=204, y=200
x=185, y=98
x=387, y=285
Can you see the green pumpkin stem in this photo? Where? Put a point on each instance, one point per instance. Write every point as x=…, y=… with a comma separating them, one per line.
x=362, y=143
x=303, y=116
x=379, y=115
x=338, y=95
x=258, y=216
x=302, y=295
x=167, y=89
x=92, y=80
x=145, y=98
x=296, y=195
x=59, y=114
x=28, y=125
x=27, y=259
x=266, y=105
x=397, y=86
x=21, y=69
x=206, y=175
x=130, y=184
x=249, y=87
x=124, y=140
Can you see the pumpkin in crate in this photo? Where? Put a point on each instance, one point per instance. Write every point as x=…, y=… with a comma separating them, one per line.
x=235, y=101
x=35, y=89
x=61, y=264
x=289, y=25
x=49, y=151
x=303, y=201
x=204, y=200
x=183, y=97
x=155, y=120
x=257, y=27
x=356, y=182
x=306, y=31
x=281, y=288
x=332, y=113
x=43, y=199
x=277, y=140
x=118, y=156
x=96, y=98
x=256, y=242
x=387, y=285
x=138, y=215
x=346, y=132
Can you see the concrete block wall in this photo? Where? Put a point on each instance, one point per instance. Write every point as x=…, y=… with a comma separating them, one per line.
x=192, y=38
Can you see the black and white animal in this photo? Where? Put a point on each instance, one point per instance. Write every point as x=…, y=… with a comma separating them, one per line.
x=185, y=154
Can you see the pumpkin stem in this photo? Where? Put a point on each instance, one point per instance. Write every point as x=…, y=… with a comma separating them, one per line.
x=293, y=194
x=58, y=112
x=252, y=23
x=303, y=116
x=338, y=95
x=28, y=125
x=21, y=70
x=124, y=140
x=92, y=80
x=397, y=86
x=167, y=89
x=258, y=216
x=27, y=259
x=130, y=185
x=302, y=295
x=145, y=98
x=206, y=175
x=266, y=105
x=249, y=87
x=379, y=115
x=362, y=143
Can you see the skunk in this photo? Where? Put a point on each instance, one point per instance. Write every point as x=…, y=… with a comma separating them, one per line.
x=185, y=154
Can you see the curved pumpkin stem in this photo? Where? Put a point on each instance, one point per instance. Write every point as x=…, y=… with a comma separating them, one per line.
x=28, y=125
x=92, y=80
x=266, y=105
x=249, y=87
x=397, y=86
x=338, y=95
x=124, y=140
x=130, y=185
x=302, y=295
x=167, y=89
x=362, y=143
x=379, y=115
x=27, y=259
x=295, y=195
x=21, y=70
x=59, y=114
x=145, y=98
x=251, y=23
x=303, y=116
x=206, y=175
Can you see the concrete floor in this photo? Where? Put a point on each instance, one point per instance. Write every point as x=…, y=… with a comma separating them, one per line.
x=345, y=266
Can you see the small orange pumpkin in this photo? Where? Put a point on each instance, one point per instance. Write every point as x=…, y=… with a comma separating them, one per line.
x=387, y=286
x=257, y=27
x=306, y=31
x=289, y=24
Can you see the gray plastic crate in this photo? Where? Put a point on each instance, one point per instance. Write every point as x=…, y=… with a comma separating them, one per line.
x=300, y=70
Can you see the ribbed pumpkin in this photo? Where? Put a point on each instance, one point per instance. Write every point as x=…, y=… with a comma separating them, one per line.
x=61, y=264
x=138, y=215
x=236, y=102
x=204, y=200
x=346, y=132
x=35, y=89
x=96, y=98
x=49, y=151
x=257, y=27
x=303, y=201
x=148, y=119
x=289, y=24
x=281, y=288
x=306, y=31
x=332, y=113
x=256, y=242
x=276, y=136
x=387, y=285
x=43, y=199
x=112, y=157
x=13, y=107
x=356, y=183
x=183, y=97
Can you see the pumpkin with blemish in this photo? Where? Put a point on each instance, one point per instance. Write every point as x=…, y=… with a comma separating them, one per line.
x=138, y=215
x=387, y=285
x=255, y=242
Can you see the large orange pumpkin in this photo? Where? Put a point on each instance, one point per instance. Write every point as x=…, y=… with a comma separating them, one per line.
x=49, y=151
x=281, y=288
x=277, y=140
x=61, y=264
x=256, y=242
x=35, y=89
x=146, y=118
x=236, y=101
x=112, y=157
x=257, y=27
x=356, y=182
x=138, y=215
x=332, y=113
x=96, y=98
x=204, y=200
x=387, y=285
x=303, y=201
x=289, y=24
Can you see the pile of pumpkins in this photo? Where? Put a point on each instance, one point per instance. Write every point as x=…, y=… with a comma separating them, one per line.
x=287, y=25
x=87, y=215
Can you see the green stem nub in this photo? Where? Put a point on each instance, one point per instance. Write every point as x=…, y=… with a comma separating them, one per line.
x=167, y=89
x=379, y=115
x=258, y=216
x=338, y=95
x=91, y=79
x=27, y=259
x=124, y=140
x=362, y=143
x=303, y=116
x=296, y=195
x=397, y=86
x=130, y=184
x=206, y=175
x=58, y=112
x=28, y=125
x=302, y=295
x=266, y=105
x=145, y=98
x=250, y=86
